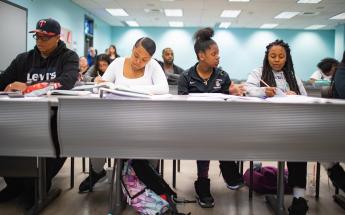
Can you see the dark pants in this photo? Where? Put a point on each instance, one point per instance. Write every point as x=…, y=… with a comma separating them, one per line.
x=297, y=174
x=150, y=177
x=27, y=184
x=203, y=167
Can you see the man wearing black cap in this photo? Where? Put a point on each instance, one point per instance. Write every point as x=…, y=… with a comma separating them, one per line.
x=50, y=61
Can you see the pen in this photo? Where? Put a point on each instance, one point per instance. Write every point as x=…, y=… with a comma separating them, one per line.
x=264, y=83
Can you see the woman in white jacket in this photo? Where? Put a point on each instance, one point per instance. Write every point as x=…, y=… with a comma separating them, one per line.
x=277, y=76
x=139, y=72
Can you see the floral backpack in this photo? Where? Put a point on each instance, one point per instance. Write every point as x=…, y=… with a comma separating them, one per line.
x=141, y=198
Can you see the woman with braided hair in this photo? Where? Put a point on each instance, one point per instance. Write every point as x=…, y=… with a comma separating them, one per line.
x=278, y=73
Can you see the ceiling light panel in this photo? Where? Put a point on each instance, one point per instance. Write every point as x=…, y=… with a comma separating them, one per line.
x=117, y=12
x=230, y=13
x=173, y=12
x=339, y=16
x=224, y=24
x=308, y=1
x=132, y=23
x=286, y=15
x=175, y=24
x=314, y=27
x=269, y=26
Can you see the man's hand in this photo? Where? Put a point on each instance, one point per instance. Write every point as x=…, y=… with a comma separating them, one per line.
x=16, y=86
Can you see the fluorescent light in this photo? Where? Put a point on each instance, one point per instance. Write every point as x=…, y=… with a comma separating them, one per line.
x=117, y=12
x=286, y=15
x=173, y=12
x=339, y=16
x=132, y=23
x=230, y=13
x=224, y=24
x=176, y=24
x=239, y=0
x=308, y=1
x=313, y=27
x=269, y=25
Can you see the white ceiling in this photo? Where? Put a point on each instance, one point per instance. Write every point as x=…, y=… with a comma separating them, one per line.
x=199, y=13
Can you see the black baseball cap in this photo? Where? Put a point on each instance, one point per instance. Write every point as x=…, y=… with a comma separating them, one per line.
x=49, y=27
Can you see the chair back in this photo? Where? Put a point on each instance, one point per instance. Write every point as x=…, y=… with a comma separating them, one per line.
x=325, y=90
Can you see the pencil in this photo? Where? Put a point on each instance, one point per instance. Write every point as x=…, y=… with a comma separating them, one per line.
x=264, y=83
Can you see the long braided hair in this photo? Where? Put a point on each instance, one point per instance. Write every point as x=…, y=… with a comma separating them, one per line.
x=288, y=70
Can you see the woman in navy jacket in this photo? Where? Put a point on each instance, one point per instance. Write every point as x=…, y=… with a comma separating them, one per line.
x=206, y=77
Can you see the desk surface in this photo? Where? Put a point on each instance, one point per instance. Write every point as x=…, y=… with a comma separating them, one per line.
x=201, y=130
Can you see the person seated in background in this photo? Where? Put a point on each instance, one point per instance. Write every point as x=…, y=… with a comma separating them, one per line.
x=91, y=55
x=49, y=61
x=172, y=71
x=140, y=72
x=334, y=170
x=278, y=72
x=95, y=72
x=83, y=67
x=206, y=77
x=326, y=68
x=112, y=53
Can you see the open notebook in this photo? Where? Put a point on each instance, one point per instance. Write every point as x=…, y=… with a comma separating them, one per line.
x=123, y=91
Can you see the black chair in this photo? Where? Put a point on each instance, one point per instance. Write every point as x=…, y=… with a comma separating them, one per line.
x=338, y=198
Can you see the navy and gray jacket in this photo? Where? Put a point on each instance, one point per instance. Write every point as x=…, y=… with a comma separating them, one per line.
x=191, y=82
x=339, y=81
x=172, y=77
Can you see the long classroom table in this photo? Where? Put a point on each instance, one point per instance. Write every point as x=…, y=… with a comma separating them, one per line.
x=26, y=142
x=214, y=130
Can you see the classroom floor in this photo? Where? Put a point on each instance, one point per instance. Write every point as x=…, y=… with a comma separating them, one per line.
x=227, y=201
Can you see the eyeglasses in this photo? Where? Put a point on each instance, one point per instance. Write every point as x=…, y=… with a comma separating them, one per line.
x=43, y=38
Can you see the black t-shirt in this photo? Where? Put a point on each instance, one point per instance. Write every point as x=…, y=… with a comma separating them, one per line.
x=191, y=82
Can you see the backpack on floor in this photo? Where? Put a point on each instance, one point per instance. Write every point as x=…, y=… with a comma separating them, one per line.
x=265, y=180
x=142, y=199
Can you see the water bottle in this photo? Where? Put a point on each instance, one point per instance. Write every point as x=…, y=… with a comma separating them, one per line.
x=257, y=165
x=311, y=179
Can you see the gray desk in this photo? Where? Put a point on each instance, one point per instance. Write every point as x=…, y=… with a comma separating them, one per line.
x=202, y=130
x=25, y=128
x=26, y=134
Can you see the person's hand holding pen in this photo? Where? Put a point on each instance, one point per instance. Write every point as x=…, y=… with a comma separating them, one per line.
x=269, y=91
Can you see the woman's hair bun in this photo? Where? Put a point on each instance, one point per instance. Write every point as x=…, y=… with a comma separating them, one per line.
x=204, y=34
